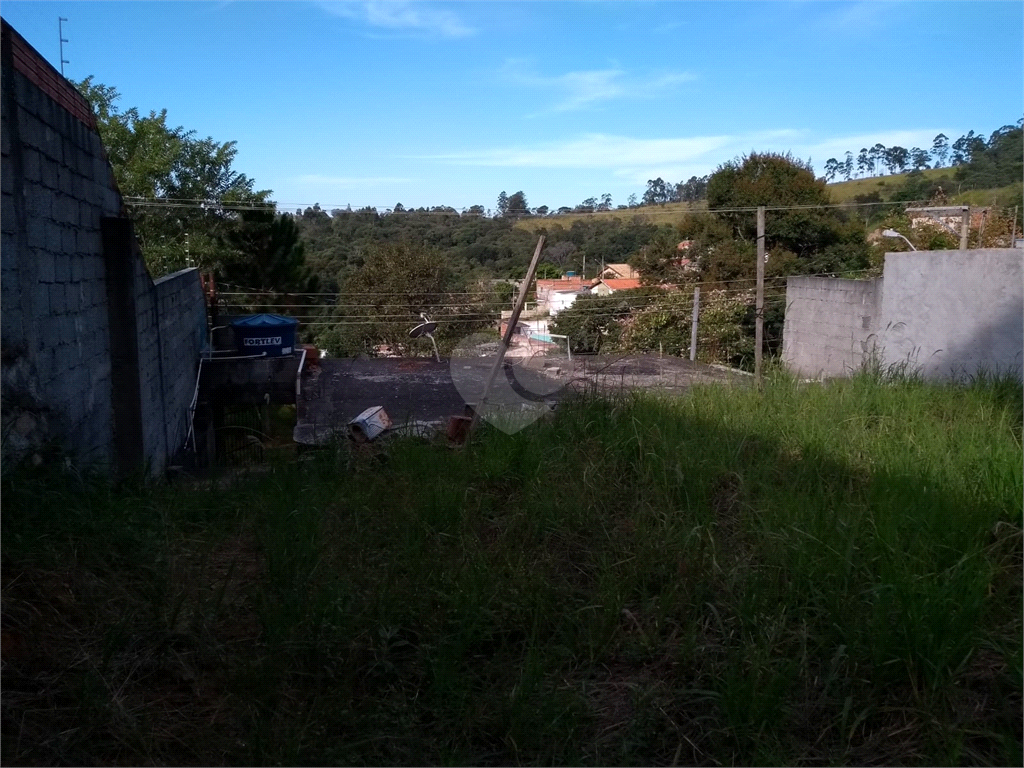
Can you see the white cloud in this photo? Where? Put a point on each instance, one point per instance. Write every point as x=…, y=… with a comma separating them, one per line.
x=401, y=16
x=584, y=88
x=349, y=181
x=591, y=151
x=637, y=160
x=856, y=17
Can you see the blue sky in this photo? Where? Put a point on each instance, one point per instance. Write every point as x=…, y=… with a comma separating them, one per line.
x=431, y=103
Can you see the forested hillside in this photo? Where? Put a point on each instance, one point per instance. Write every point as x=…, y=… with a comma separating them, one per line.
x=358, y=279
x=474, y=246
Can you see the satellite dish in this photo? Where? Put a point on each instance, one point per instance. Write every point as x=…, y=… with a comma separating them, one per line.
x=426, y=328
x=423, y=329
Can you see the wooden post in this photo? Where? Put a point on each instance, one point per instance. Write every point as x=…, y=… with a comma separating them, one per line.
x=509, y=330
x=1013, y=228
x=759, y=322
x=965, y=226
x=693, y=323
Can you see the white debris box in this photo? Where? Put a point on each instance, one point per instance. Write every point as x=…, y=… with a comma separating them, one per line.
x=369, y=424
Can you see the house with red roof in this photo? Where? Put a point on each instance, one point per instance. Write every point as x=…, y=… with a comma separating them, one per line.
x=610, y=286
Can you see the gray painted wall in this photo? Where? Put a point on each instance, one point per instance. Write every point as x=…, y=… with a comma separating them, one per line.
x=56, y=366
x=947, y=313
x=953, y=312
x=828, y=324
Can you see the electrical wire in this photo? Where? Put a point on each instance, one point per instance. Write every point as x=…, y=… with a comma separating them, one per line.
x=264, y=291
x=489, y=316
x=329, y=211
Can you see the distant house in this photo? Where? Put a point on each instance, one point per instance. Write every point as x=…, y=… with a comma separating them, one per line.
x=610, y=286
x=948, y=217
x=556, y=295
x=686, y=263
x=559, y=300
x=620, y=272
x=529, y=338
x=546, y=287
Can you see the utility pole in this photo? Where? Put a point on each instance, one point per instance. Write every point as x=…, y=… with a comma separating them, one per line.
x=509, y=330
x=759, y=323
x=60, y=34
x=693, y=323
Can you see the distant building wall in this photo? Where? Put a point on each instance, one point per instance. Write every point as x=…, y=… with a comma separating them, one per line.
x=59, y=382
x=946, y=313
x=559, y=300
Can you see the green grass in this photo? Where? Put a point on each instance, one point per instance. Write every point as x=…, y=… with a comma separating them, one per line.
x=840, y=192
x=670, y=213
x=845, y=191
x=809, y=574
x=886, y=186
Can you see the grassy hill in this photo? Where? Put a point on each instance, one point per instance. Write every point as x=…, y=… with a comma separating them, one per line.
x=844, y=191
x=656, y=214
x=885, y=186
x=841, y=192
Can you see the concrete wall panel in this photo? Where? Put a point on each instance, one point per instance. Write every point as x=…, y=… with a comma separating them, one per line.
x=953, y=313
x=946, y=313
x=57, y=186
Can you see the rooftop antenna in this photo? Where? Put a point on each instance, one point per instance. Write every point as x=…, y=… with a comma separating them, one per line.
x=426, y=328
x=60, y=34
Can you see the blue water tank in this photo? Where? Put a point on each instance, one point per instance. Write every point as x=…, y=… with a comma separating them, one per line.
x=272, y=334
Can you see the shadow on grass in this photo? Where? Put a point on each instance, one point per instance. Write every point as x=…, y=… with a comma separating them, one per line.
x=806, y=574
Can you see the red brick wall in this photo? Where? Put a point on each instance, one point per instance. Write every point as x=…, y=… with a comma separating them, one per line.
x=33, y=66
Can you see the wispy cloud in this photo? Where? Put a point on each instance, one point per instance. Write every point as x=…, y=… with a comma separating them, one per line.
x=634, y=159
x=585, y=88
x=670, y=26
x=637, y=159
x=349, y=181
x=857, y=18
x=399, y=16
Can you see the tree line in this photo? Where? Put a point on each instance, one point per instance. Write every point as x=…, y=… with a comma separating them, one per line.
x=970, y=147
x=658, y=192
x=366, y=275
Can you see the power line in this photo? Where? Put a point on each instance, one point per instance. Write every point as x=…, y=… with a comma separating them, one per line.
x=268, y=292
x=684, y=286
x=641, y=302
x=347, y=208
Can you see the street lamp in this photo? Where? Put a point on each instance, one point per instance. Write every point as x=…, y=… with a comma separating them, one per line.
x=894, y=233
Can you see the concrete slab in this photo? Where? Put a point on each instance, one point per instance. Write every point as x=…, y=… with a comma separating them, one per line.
x=421, y=390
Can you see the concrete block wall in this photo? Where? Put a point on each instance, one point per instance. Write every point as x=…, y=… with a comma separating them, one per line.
x=829, y=324
x=55, y=327
x=947, y=314
x=183, y=335
x=953, y=313
x=57, y=186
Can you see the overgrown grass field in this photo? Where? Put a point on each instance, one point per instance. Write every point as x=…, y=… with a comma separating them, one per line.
x=809, y=574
